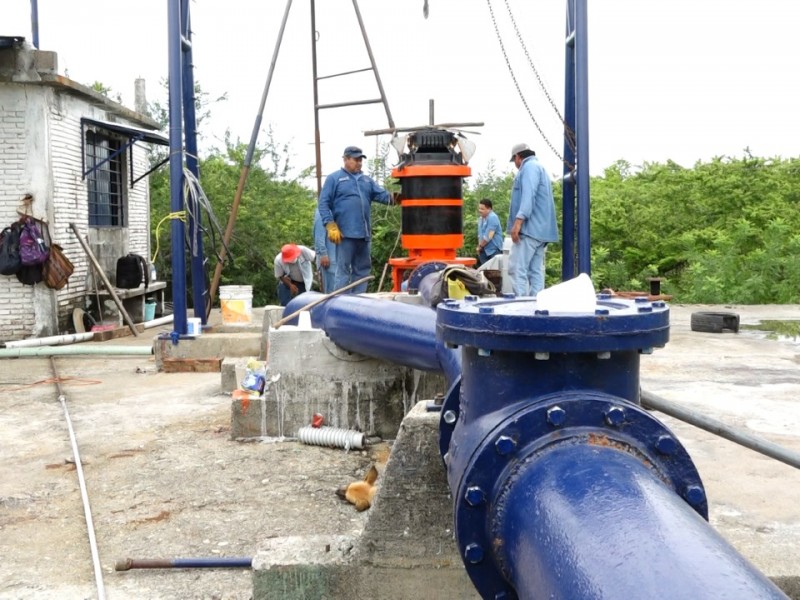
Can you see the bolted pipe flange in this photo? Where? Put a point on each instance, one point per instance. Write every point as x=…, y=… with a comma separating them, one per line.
x=583, y=423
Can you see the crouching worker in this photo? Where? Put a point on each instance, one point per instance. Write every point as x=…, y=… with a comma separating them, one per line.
x=293, y=271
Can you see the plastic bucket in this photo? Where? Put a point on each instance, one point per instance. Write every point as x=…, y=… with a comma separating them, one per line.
x=193, y=326
x=149, y=311
x=236, y=303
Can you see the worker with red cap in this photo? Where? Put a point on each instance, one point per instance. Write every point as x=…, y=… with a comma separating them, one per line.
x=293, y=271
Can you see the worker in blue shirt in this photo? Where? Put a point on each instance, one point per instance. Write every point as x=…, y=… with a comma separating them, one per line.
x=345, y=205
x=326, y=255
x=490, y=233
x=531, y=222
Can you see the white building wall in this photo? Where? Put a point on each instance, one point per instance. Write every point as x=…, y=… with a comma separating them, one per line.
x=40, y=153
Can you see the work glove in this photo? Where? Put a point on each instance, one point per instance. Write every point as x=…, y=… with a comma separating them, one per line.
x=334, y=234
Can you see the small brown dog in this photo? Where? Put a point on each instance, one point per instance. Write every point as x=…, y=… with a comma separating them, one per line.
x=360, y=493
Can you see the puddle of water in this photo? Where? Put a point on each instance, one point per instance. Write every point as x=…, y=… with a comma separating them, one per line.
x=787, y=330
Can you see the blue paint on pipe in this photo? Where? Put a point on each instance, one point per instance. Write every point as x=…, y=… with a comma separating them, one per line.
x=401, y=333
x=589, y=521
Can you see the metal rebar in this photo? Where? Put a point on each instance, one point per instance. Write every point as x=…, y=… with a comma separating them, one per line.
x=753, y=442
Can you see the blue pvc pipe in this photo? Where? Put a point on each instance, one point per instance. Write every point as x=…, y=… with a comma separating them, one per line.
x=401, y=333
x=606, y=527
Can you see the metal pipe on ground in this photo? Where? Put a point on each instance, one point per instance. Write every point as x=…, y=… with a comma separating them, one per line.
x=52, y=340
x=77, y=351
x=753, y=442
x=87, y=510
x=125, y=564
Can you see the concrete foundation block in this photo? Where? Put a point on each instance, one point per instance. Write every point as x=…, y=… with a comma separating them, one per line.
x=208, y=345
x=309, y=374
x=321, y=567
x=410, y=523
x=231, y=373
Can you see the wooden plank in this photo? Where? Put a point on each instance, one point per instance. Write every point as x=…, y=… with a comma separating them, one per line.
x=117, y=332
x=192, y=365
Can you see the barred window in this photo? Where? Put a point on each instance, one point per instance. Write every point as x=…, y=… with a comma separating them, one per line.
x=106, y=181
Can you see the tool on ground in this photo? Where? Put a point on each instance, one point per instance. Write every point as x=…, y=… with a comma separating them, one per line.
x=125, y=564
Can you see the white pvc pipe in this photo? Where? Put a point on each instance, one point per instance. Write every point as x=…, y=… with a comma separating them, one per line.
x=331, y=437
x=158, y=322
x=89, y=350
x=53, y=340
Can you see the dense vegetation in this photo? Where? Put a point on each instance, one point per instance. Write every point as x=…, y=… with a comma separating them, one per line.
x=723, y=231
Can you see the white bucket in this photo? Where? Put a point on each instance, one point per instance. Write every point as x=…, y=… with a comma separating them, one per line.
x=193, y=326
x=236, y=304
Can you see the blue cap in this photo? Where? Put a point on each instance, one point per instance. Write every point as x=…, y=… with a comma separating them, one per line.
x=354, y=151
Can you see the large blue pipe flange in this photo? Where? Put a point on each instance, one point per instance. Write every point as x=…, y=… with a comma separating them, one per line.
x=596, y=420
x=517, y=325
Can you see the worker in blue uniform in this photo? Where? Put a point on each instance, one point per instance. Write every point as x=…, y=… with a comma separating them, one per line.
x=326, y=255
x=531, y=222
x=345, y=205
x=490, y=233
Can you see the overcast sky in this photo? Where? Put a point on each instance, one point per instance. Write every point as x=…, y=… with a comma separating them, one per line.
x=684, y=80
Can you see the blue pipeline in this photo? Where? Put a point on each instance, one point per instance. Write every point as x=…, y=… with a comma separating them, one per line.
x=396, y=332
x=563, y=486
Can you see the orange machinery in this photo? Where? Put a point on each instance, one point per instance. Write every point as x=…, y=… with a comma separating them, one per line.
x=430, y=176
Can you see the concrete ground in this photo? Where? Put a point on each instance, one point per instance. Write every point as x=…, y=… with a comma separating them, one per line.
x=165, y=480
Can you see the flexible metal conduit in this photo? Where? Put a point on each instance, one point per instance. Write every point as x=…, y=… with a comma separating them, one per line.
x=335, y=437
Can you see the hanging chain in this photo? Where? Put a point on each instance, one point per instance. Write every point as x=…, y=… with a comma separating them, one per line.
x=569, y=134
x=519, y=90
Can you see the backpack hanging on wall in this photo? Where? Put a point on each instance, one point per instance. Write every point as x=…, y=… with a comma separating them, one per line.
x=10, y=261
x=32, y=248
x=57, y=269
x=132, y=271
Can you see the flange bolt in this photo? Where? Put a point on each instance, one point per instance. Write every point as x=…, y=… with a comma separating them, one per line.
x=556, y=416
x=473, y=553
x=505, y=445
x=615, y=416
x=667, y=445
x=695, y=495
x=475, y=496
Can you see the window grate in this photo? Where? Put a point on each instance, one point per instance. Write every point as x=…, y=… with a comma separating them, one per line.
x=105, y=181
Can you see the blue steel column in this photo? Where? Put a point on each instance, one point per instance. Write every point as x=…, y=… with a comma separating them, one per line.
x=582, y=135
x=190, y=123
x=177, y=230
x=568, y=183
x=35, y=22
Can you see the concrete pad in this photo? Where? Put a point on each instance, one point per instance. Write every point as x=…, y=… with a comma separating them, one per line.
x=309, y=374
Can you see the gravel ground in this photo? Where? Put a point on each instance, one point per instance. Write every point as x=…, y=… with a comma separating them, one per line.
x=164, y=480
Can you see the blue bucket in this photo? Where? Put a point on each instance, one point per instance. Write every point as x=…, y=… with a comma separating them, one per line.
x=149, y=311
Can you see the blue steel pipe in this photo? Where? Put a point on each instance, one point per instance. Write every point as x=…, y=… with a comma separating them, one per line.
x=401, y=333
x=563, y=486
